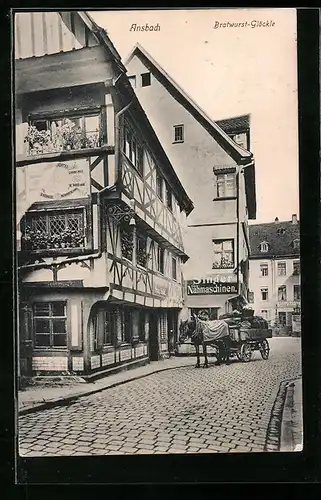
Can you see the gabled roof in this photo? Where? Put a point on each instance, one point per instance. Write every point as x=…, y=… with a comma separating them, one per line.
x=236, y=124
x=239, y=154
x=280, y=242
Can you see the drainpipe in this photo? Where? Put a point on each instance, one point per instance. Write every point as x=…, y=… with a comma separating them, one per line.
x=239, y=171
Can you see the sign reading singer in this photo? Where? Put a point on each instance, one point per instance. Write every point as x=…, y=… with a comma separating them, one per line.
x=220, y=284
x=58, y=181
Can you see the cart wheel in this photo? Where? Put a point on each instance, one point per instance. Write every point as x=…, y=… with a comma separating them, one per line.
x=265, y=349
x=238, y=355
x=246, y=353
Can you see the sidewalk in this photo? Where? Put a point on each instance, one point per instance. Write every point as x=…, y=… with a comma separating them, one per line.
x=292, y=418
x=35, y=398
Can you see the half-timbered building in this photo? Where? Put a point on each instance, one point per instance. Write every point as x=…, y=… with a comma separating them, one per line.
x=100, y=208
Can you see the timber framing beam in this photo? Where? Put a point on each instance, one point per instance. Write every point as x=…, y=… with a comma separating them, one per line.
x=66, y=69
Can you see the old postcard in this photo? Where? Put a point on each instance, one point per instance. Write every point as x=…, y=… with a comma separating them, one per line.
x=157, y=232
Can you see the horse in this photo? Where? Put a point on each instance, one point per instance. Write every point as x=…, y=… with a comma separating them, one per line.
x=194, y=329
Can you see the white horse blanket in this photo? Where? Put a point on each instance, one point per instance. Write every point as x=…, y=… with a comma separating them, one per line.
x=214, y=330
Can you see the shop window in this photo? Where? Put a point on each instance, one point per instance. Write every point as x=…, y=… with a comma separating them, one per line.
x=50, y=324
x=160, y=259
x=68, y=131
x=126, y=326
x=225, y=185
x=282, y=293
x=264, y=293
x=264, y=270
x=146, y=79
x=178, y=133
x=110, y=328
x=133, y=149
x=54, y=230
x=281, y=268
x=223, y=251
x=296, y=292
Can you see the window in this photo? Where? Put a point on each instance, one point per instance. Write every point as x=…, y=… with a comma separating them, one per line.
x=296, y=267
x=132, y=81
x=76, y=131
x=160, y=259
x=223, y=254
x=281, y=230
x=159, y=185
x=178, y=133
x=141, y=250
x=264, y=247
x=264, y=269
x=110, y=327
x=174, y=268
x=133, y=150
x=126, y=241
x=296, y=243
x=240, y=139
x=145, y=79
x=54, y=230
x=169, y=200
x=50, y=324
x=296, y=292
x=225, y=186
x=264, y=293
x=281, y=268
x=282, y=293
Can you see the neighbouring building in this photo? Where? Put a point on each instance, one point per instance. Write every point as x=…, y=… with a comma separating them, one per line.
x=275, y=274
x=218, y=172
x=99, y=206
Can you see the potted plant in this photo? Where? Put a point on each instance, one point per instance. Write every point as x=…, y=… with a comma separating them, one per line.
x=38, y=140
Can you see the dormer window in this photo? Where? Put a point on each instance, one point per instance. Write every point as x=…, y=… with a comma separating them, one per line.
x=296, y=243
x=264, y=247
x=281, y=230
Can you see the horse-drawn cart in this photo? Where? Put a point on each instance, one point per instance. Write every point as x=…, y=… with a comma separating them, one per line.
x=246, y=340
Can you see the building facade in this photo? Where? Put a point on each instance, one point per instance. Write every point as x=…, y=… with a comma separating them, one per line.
x=275, y=274
x=219, y=175
x=99, y=206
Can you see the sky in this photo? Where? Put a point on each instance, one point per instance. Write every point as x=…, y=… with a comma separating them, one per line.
x=231, y=71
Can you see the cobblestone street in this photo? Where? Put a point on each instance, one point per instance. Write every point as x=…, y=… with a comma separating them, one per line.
x=183, y=410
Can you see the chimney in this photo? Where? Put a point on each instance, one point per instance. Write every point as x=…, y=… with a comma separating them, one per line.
x=294, y=219
x=276, y=219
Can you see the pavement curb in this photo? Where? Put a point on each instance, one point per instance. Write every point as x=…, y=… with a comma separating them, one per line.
x=70, y=399
x=274, y=430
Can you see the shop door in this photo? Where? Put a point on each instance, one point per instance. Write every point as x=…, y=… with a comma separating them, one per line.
x=153, y=337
